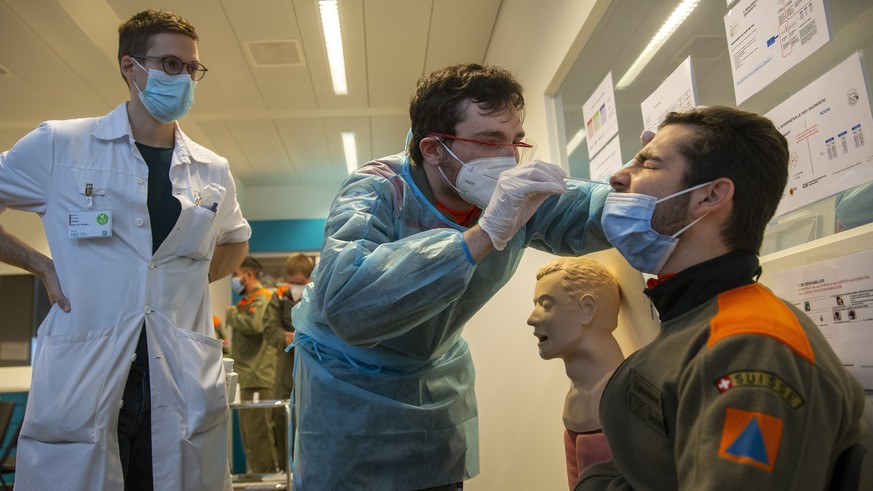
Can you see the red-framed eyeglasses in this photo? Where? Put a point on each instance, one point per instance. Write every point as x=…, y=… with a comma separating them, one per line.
x=480, y=142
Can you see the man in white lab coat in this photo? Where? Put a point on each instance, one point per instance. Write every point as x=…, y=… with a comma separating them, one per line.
x=128, y=385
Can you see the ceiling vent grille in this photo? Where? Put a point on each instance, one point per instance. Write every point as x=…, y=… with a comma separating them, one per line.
x=275, y=53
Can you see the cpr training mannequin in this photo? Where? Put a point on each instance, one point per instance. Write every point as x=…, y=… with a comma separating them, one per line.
x=576, y=304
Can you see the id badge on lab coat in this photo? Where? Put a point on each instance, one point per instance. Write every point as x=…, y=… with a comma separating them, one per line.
x=90, y=224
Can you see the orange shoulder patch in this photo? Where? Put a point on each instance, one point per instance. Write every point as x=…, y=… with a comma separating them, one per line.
x=751, y=437
x=753, y=309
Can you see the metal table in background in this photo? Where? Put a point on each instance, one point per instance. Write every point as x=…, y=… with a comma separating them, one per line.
x=278, y=480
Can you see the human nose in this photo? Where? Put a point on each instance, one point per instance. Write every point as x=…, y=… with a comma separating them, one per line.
x=620, y=181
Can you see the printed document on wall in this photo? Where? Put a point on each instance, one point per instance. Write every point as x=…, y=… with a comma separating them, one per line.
x=607, y=162
x=825, y=124
x=601, y=123
x=767, y=37
x=677, y=93
x=838, y=296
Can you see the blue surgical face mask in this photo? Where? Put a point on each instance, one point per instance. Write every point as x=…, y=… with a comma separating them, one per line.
x=627, y=223
x=167, y=97
x=237, y=286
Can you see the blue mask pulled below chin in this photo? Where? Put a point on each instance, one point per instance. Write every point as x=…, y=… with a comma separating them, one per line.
x=627, y=224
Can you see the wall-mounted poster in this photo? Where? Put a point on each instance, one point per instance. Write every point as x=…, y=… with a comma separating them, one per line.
x=601, y=123
x=825, y=124
x=607, y=162
x=677, y=93
x=838, y=296
x=767, y=37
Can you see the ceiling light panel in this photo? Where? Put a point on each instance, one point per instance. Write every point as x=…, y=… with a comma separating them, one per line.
x=333, y=42
x=673, y=22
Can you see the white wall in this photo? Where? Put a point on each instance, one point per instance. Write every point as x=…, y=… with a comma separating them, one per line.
x=521, y=396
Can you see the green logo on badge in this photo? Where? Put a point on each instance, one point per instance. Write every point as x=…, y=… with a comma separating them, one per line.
x=102, y=218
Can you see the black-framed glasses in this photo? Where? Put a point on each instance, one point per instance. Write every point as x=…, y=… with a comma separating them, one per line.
x=174, y=66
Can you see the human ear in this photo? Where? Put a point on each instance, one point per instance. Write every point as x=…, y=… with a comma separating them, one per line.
x=714, y=197
x=127, y=66
x=430, y=149
x=587, y=309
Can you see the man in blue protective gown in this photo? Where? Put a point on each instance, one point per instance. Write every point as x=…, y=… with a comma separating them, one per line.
x=415, y=244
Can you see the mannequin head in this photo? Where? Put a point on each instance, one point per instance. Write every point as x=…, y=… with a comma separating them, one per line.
x=576, y=303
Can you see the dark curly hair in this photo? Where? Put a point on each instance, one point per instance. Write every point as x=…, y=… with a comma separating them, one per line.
x=440, y=98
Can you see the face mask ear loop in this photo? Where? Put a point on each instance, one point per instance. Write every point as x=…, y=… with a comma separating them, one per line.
x=137, y=64
x=440, y=168
x=447, y=180
x=688, y=226
x=692, y=188
x=451, y=152
x=141, y=68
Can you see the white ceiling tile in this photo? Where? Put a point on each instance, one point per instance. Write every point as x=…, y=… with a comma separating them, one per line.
x=455, y=38
x=262, y=19
x=44, y=70
x=304, y=141
x=396, y=49
x=224, y=143
x=287, y=88
x=95, y=64
x=22, y=105
x=262, y=146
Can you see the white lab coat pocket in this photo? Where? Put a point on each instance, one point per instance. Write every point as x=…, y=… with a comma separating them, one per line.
x=196, y=233
x=196, y=227
x=202, y=375
x=69, y=380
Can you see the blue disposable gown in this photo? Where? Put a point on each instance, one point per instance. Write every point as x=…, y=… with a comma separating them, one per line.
x=384, y=381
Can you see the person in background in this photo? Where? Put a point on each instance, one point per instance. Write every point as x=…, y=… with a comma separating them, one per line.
x=854, y=207
x=128, y=384
x=740, y=390
x=254, y=359
x=415, y=244
x=278, y=331
x=576, y=304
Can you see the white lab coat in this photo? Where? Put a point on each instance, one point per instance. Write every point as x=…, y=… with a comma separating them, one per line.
x=115, y=284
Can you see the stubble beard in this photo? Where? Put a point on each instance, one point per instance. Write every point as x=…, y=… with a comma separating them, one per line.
x=671, y=215
x=451, y=174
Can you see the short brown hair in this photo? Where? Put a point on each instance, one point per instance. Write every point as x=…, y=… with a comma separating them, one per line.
x=439, y=99
x=135, y=35
x=583, y=276
x=299, y=263
x=252, y=265
x=745, y=148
